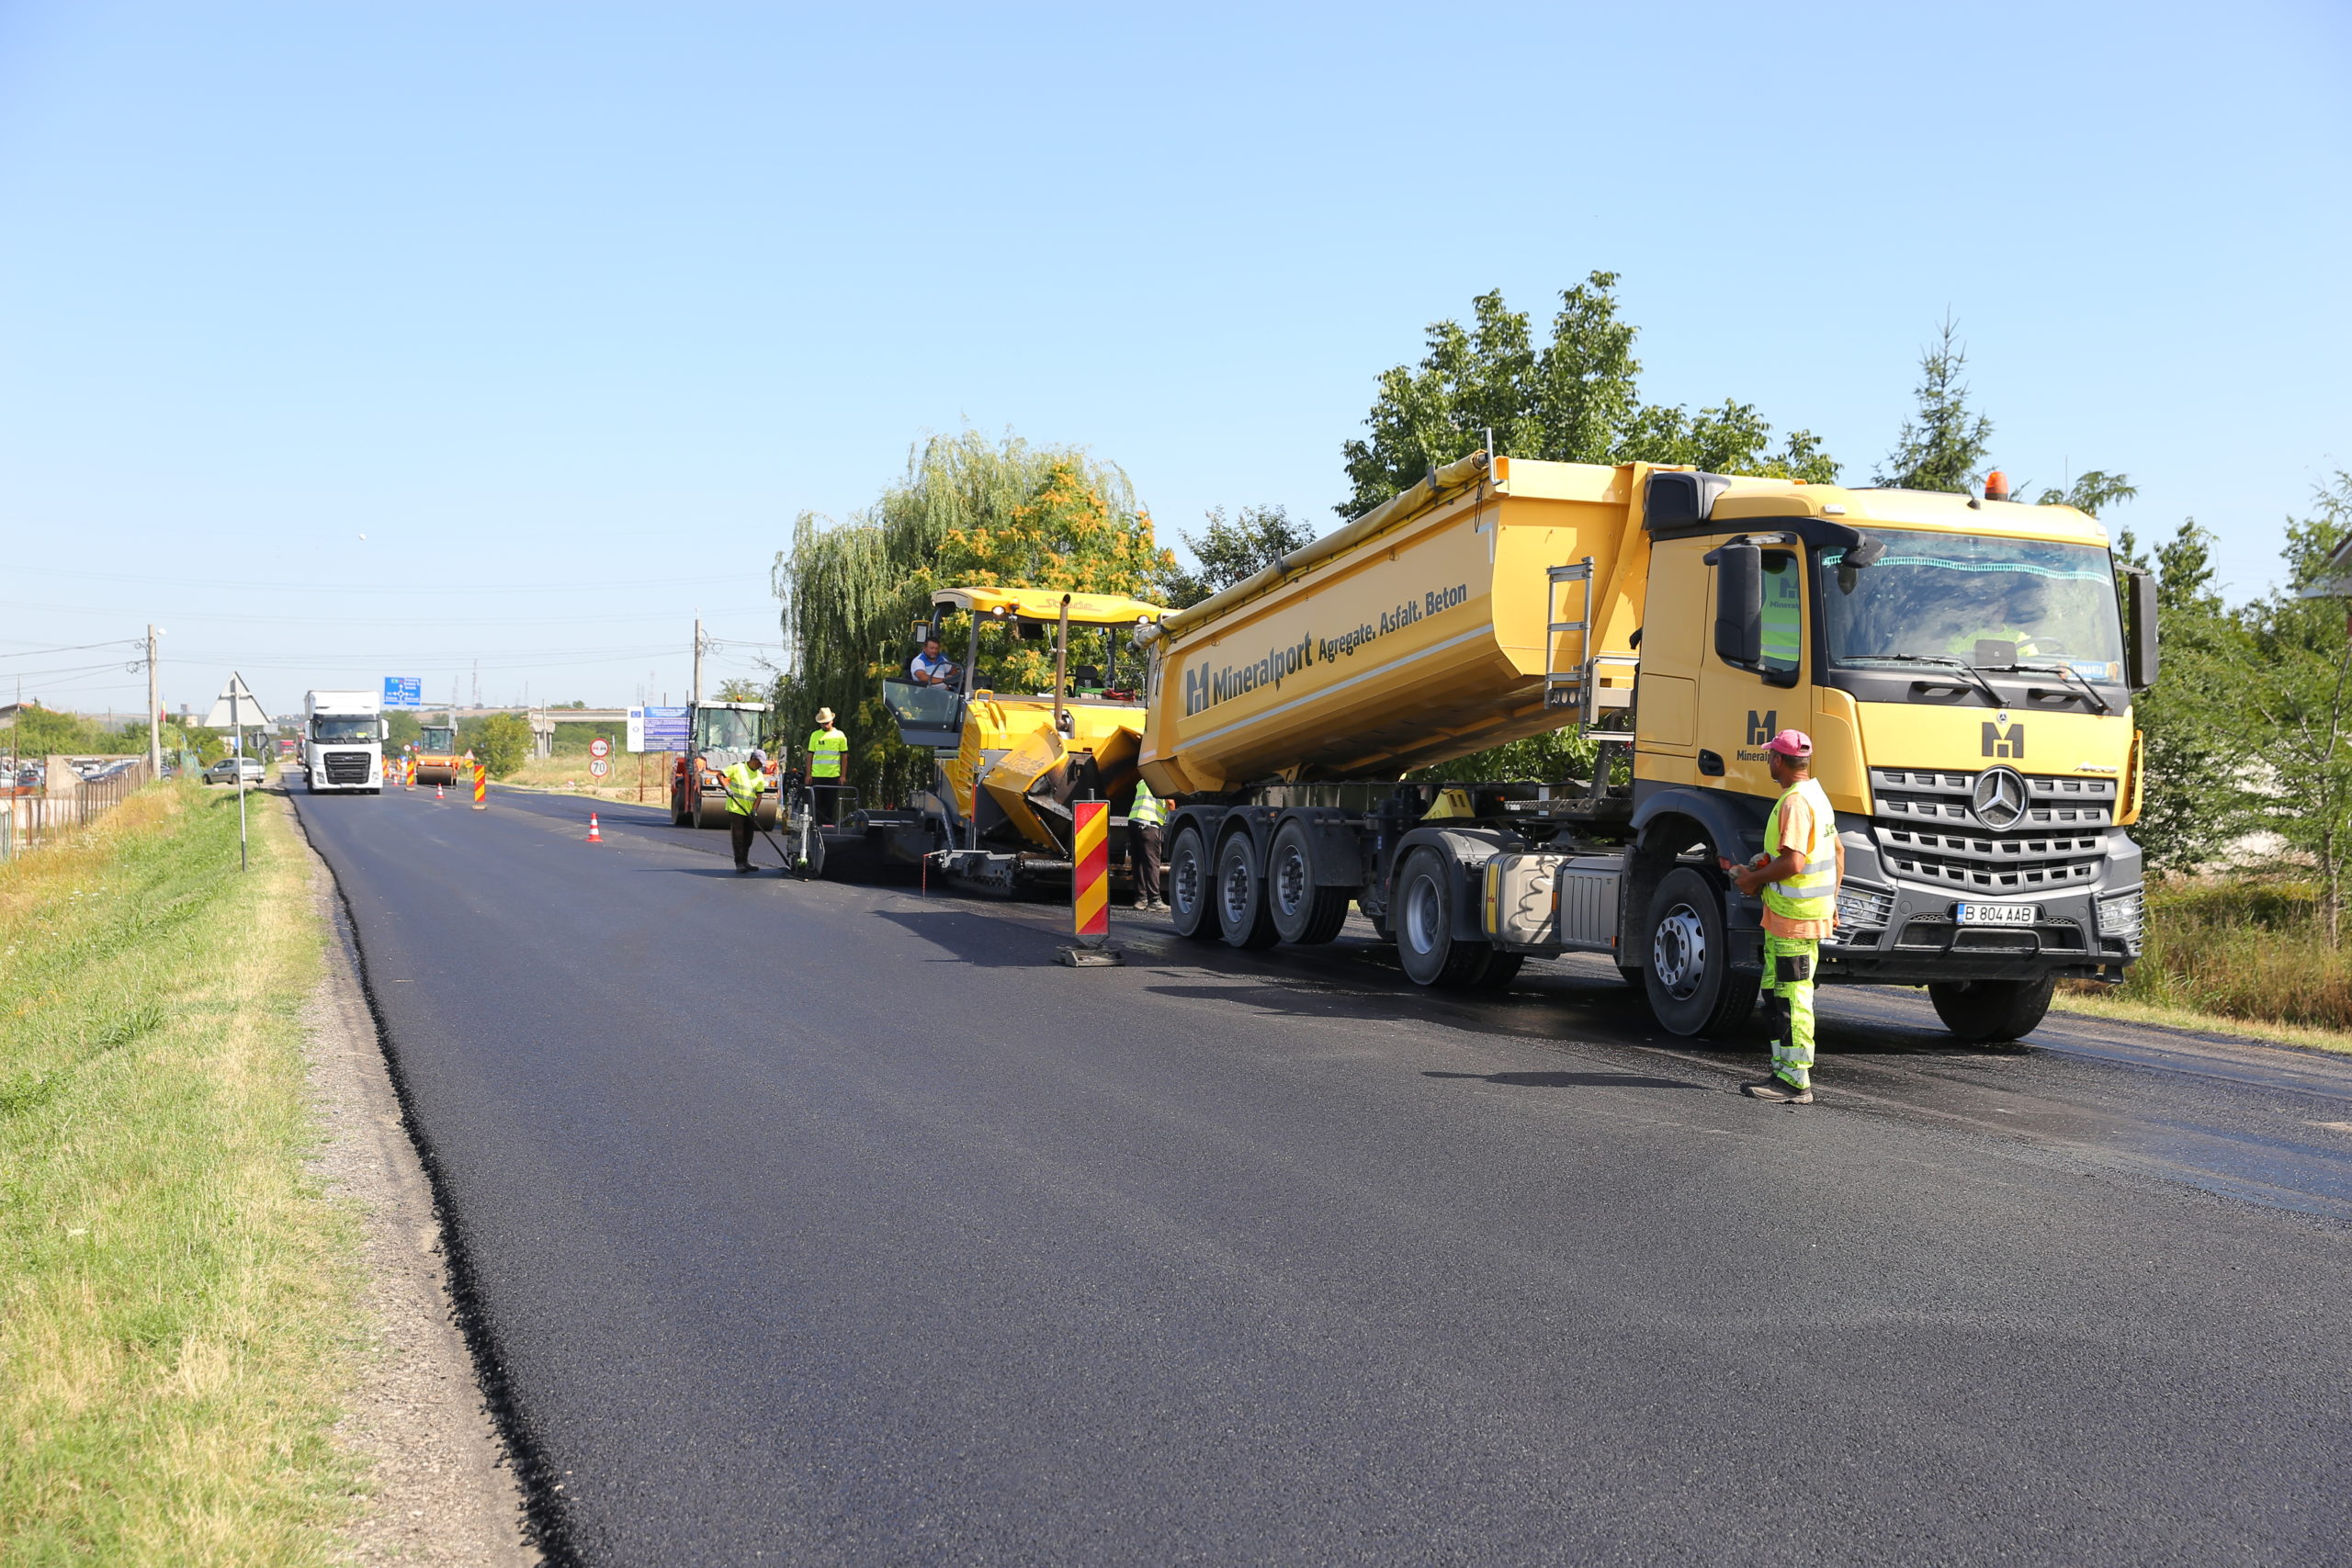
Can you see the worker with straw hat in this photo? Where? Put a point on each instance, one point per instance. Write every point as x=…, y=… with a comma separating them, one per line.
x=827, y=747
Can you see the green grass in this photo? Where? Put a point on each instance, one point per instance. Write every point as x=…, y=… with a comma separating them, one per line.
x=177, y=1322
x=2246, y=950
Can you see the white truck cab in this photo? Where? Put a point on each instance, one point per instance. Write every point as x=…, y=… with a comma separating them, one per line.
x=343, y=742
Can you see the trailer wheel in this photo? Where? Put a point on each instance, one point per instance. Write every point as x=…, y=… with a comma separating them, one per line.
x=1239, y=895
x=1422, y=908
x=1691, y=988
x=1188, y=887
x=1304, y=913
x=1980, y=1011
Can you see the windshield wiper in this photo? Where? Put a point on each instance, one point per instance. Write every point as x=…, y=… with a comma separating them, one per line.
x=2064, y=672
x=1938, y=660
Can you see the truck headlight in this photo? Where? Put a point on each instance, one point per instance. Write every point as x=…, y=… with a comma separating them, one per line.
x=1864, y=908
x=2125, y=916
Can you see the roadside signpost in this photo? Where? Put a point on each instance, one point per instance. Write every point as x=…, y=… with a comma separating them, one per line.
x=403, y=692
x=598, y=751
x=232, y=710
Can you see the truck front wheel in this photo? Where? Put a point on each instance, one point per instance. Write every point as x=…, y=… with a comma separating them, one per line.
x=1691, y=988
x=1422, y=908
x=1980, y=1011
x=1188, y=885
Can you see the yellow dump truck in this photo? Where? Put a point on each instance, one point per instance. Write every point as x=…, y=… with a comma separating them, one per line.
x=1010, y=765
x=1965, y=667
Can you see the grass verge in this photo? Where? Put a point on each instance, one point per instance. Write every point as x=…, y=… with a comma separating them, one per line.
x=179, y=1327
x=2244, y=955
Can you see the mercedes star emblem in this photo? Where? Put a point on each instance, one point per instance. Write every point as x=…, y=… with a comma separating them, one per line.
x=1999, y=797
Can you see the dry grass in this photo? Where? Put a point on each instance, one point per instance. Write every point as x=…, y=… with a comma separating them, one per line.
x=179, y=1325
x=569, y=775
x=2229, y=952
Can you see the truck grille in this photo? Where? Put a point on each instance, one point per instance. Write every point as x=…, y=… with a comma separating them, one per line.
x=348, y=768
x=2057, y=843
x=1915, y=796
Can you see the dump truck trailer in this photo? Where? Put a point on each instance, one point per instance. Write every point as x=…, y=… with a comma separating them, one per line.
x=1965, y=667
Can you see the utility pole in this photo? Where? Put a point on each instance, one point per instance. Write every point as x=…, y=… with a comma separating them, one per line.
x=697, y=698
x=155, y=713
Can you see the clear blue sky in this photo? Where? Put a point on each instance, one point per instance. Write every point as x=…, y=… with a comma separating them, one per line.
x=569, y=308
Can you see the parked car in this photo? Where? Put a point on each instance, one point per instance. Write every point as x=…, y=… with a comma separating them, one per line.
x=225, y=771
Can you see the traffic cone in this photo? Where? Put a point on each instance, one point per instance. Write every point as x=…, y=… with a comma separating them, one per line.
x=438, y=793
x=593, y=836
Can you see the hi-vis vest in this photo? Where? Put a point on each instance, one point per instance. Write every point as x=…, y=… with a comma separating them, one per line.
x=825, y=750
x=744, y=784
x=1146, y=811
x=1811, y=893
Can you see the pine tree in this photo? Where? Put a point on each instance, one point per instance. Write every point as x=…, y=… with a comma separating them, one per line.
x=1945, y=446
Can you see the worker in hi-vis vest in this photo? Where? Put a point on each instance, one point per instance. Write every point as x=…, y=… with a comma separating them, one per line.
x=1145, y=816
x=744, y=782
x=1798, y=875
x=827, y=747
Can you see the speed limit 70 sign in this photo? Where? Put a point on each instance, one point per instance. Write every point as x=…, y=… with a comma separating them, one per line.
x=600, y=746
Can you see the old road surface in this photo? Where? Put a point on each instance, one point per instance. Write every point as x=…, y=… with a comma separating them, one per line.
x=810, y=1223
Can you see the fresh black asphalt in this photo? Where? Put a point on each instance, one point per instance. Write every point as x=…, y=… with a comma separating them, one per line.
x=809, y=1223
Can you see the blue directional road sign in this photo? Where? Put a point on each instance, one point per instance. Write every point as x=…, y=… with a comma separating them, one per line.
x=403, y=692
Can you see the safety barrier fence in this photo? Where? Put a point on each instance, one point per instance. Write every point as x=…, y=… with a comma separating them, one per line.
x=31, y=820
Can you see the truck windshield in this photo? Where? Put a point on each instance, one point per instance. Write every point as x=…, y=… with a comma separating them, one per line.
x=726, y=729
x=342, y=732
x=1990, y=604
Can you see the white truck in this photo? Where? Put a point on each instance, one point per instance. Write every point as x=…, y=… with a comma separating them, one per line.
x=343, y=742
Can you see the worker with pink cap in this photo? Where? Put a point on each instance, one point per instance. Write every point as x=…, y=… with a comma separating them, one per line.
x=1798, y=876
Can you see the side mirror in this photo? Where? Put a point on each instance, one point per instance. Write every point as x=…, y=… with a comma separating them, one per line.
x=1739, y=602
x=2139, y=595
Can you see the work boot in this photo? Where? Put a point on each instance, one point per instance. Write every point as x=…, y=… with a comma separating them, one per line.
x=1778, y=1089
x=741, y=869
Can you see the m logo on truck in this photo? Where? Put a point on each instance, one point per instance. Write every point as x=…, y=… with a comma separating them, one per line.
x=1760, y=730
x=2000, y=742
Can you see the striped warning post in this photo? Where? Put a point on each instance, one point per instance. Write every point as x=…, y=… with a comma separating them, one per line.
x=1090, y=887
x=481, y=786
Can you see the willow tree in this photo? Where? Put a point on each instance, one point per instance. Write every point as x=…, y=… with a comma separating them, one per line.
x=968, y=509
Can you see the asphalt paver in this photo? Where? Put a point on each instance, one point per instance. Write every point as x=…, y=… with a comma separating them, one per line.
x=815, y=1223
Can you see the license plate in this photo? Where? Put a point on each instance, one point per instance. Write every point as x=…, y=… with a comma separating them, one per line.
x=1996, y=914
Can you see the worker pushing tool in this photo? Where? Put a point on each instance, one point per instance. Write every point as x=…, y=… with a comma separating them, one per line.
x=1798, y=876
x=745, y=781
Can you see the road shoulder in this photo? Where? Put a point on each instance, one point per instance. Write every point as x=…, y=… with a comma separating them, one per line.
x=441, y=1489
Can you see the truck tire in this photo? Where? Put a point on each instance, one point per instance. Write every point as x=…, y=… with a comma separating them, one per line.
x=1188, y=885
x=1421, y=906
x=1502, y=968
x=1983, y=1011
x=1304, y=913
x=1691, y=988
x=1239, y=895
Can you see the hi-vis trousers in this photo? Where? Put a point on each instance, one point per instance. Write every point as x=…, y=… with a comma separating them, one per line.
x=1789, y=964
